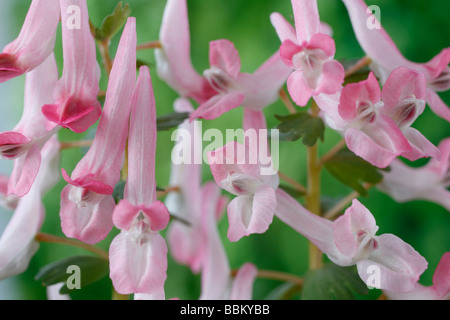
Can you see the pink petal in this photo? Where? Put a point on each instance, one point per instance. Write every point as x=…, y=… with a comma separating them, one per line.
x=438, y=64
x=400, y=265
x=421, y=147
x=24, y=173
x=284, y=29
x=138, y=267
x=174, y=60
x=242, y=288
x=76, y=105
x=141, y=186
x=332, y=78
x=90, y=224
x=251, y=214
x=218, y=105
x=288, y=50
x=223, y=54
x=13, y=144
x=367, y=90
x=35, y=41
x=379, y=144
x=323, y=42
x=299, y=89
x=441, y=278
x=307, y=21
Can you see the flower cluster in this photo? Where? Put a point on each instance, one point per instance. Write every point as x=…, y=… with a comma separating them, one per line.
x=374, y=117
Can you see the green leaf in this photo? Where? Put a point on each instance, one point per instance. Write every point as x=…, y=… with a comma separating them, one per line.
x=92, y=269
x=172, y=120
x=301, y=125
x=333, y=283
x=118, y=191
x=353, y=171
x=113, y=22
x=360, y=75
x=285, y=291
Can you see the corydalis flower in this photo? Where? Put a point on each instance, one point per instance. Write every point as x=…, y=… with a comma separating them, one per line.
x=76, y=106
x=87, y=203
x=386, y=56
x=25, y=141
x=431, y=182
x=34, y=43
x=17, y=243
x=352, y=240
x=309, y=52
x=238, y=169
x=378, y=123
x=138, y=255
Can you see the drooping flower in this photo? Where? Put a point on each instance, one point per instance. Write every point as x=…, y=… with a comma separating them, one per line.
x=35, y=41
x=387, y=57
x=440, y=290
x=184, y=235
x=25, y=141
x=352, y=240
x=377, y=123
x=309, y=52
x=87, y=203
x=430, y=182
x=138, y=255
x=238, y=169
x=17, y=243
x=216, y=274
x=234, y=88
x=76, y=106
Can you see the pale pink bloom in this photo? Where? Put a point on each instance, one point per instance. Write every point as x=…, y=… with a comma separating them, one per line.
x=17, y=243
x=75, y=97
x=440, y=290
x=24, y=142
x=386, y=56
x=7, y=201
x=173, y=60
x=234, y=88
x=138, y=255
x=87, y=203
x=35, y=41
x=309, y=52
x=237, y=169
x=217, y=283
x=430, y=182
x=378, y=123
x=186, y=240
x=352, y=240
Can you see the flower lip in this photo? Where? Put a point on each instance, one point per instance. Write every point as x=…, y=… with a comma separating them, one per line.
x=219, y=80
x=241, y=184
x=441, y=82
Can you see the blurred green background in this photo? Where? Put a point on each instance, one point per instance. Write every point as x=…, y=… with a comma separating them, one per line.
x=419, y=28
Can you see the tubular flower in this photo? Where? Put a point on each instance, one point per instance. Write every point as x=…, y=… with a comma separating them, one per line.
x=377, y=123
x=17, y=243
x=87, y=203
x=238, y=169
x=352, y=240
x=34, y=43
x=76, y=106
x=386, y=56
x=430, y=182
x=24, y=142
x=309, y=52
x=138, y=255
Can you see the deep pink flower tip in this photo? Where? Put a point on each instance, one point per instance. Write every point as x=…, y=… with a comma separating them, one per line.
x=8, y=67
x=89, y=183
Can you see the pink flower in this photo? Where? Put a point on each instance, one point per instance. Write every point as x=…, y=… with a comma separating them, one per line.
x=429, y=183
x=17, y=243
x=34, y=43
x=24, y=142
x=309, y=52
x=234, y=88
x=138, y=255
x=216, y=273
x=87, y=203
x=352, y=239
x=76, y=106
x=377, y=123
x=186, y=241
x=386, y=57
x=440, y=290
x=237, y=169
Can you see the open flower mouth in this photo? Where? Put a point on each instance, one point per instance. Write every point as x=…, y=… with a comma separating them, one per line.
x=441, y=82
x=219, y=80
